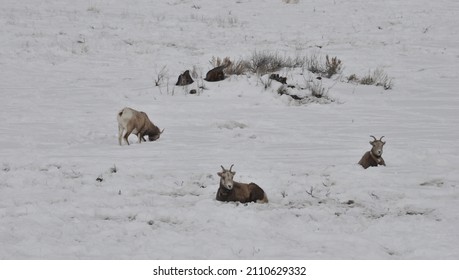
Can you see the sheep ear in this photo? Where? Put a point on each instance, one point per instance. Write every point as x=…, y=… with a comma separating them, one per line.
x=233, y=172
x=371, y=143
x=220, y=174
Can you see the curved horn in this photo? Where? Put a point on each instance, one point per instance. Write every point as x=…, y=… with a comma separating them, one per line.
x=231, y=167
x=373, y=137
x=381, y=138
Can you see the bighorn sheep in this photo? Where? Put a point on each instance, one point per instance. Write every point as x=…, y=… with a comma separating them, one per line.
x=184, y=79
x=374, y=156
x=136, y=122
x=230, y=190
x=216, y=74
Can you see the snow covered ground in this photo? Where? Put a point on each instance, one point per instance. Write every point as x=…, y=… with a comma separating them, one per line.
x=69, y=191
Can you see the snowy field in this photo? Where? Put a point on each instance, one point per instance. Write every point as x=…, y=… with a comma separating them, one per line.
x=69, y=191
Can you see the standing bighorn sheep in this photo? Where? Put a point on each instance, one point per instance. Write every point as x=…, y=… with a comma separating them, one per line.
x=230, y=190
x=136, y=122
x=374, y=156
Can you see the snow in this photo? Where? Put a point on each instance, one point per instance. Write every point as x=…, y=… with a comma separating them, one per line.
x=69, y=191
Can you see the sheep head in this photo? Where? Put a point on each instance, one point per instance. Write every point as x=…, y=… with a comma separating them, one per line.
x=377, y=146
x=226, y=178
x=155, y=136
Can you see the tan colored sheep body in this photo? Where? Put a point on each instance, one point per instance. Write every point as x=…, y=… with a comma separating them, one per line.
x=138, y=123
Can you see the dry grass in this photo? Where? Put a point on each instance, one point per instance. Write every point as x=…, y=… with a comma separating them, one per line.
x=378, y=78
x=327, y=67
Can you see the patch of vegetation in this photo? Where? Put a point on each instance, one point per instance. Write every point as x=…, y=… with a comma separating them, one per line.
x=327, y=67
x=378, y=78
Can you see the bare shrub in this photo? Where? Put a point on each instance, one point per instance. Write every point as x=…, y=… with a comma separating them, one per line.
x=217, y=61
x=314, y=65
x=324, y=67
x=196, y=72
x=266, y=82
x=266, y=62
x=259, y=63
x=332, y=66
x=227, y=22
x=353, y=79
x=160, y=75
x=316, y=88
x=239, y=67
x=378, y=78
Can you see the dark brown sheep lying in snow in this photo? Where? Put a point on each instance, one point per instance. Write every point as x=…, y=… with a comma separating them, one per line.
x=374, y=156
x=230, y=190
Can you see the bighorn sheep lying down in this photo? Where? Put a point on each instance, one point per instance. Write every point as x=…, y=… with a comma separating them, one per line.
x=132, y=121
x=230, y=190
x=374, y=156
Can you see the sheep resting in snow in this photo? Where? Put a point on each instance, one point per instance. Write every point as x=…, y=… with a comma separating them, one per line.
x=184, y=79
x=132, y=121
x=216, y=74
x=374, y=156
x=230, y=190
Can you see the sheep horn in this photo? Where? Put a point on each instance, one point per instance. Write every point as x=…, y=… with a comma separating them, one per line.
x=161, y=132
x=374, y=138
x=231, y=167
x=381, y=138
x=223, y=168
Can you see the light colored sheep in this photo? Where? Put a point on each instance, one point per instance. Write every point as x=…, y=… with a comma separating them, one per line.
x=374, y=156
x=132, y=121
x=230, y=190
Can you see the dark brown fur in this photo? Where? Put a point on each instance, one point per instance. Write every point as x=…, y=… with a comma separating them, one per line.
x=242, y=192
x=369, y=159
x=374, y=156
x=184, y=79
x=216, y=74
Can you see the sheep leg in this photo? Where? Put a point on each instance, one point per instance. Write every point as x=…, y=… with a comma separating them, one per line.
x=128, y=132
x=120, y=133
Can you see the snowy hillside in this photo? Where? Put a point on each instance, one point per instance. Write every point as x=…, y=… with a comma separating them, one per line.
x=69, y=191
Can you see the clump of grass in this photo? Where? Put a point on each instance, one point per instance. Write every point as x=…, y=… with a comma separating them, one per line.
x=239, y=67
x=316, y=89
x=378, y=78
x=93, y=10
x=160, y=76
x=266, y=62
x=324, y=67
x=332, y=66
x=266, y=82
